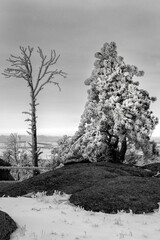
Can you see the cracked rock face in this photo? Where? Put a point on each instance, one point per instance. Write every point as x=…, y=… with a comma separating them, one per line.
x=7, y=226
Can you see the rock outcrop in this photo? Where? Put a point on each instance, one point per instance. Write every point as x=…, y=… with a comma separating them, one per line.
x=7, y=226
x=100, y=186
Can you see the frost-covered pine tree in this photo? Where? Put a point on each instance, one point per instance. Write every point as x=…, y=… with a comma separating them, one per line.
x=117, y=112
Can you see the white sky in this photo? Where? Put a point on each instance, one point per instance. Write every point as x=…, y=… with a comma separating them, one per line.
x=75, y=29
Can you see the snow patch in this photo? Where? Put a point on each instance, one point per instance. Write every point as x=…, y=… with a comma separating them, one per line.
x=42, y=217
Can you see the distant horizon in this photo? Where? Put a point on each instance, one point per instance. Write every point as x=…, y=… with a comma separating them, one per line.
x=25, y=134
x=45, y=132
x=51, y=135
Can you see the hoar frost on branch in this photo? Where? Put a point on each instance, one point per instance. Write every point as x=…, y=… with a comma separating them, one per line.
x=117, y=112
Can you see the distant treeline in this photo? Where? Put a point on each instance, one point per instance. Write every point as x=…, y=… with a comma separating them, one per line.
x=41, y=138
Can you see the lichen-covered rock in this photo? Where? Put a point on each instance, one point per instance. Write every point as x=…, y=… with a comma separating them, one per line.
x=7, y=226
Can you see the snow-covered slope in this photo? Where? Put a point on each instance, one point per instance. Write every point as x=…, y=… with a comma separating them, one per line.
x=53, y=218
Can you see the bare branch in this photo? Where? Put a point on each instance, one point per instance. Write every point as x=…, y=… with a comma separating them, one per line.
x=26, y=58
x=43, y=70
x=55, y=83
x=17, y=73
x=29, y=144
x=41, y=53
x=27, y=113
x=28, y=120
x=39, y=152
x=29, y=132
x=49, y=80
x=21, y=66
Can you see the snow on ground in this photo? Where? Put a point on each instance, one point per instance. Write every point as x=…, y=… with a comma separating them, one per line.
x=53, y=218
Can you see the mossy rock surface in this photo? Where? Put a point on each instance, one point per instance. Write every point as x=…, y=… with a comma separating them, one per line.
x=98, y=186
x=154, y=167
x=7, y=226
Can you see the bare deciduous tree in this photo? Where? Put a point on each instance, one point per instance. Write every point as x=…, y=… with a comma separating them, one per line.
x=22, y=67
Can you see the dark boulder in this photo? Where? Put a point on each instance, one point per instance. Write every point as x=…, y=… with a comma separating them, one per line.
x=7, y=226
x=5, y=173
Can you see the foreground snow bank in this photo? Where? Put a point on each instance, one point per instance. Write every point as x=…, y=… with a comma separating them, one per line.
x=53, y=218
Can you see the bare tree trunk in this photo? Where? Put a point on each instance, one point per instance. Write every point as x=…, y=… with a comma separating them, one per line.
x=34, y=134
x=123, y=150
x=113, y=149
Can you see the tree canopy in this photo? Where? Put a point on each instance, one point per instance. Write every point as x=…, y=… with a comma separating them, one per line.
x=117, y=111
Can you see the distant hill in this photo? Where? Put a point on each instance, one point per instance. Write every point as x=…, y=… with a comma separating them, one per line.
x=27, y=138
x=48, y=139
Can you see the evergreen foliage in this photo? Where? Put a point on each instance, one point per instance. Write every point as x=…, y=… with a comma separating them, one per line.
x=116, y=114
